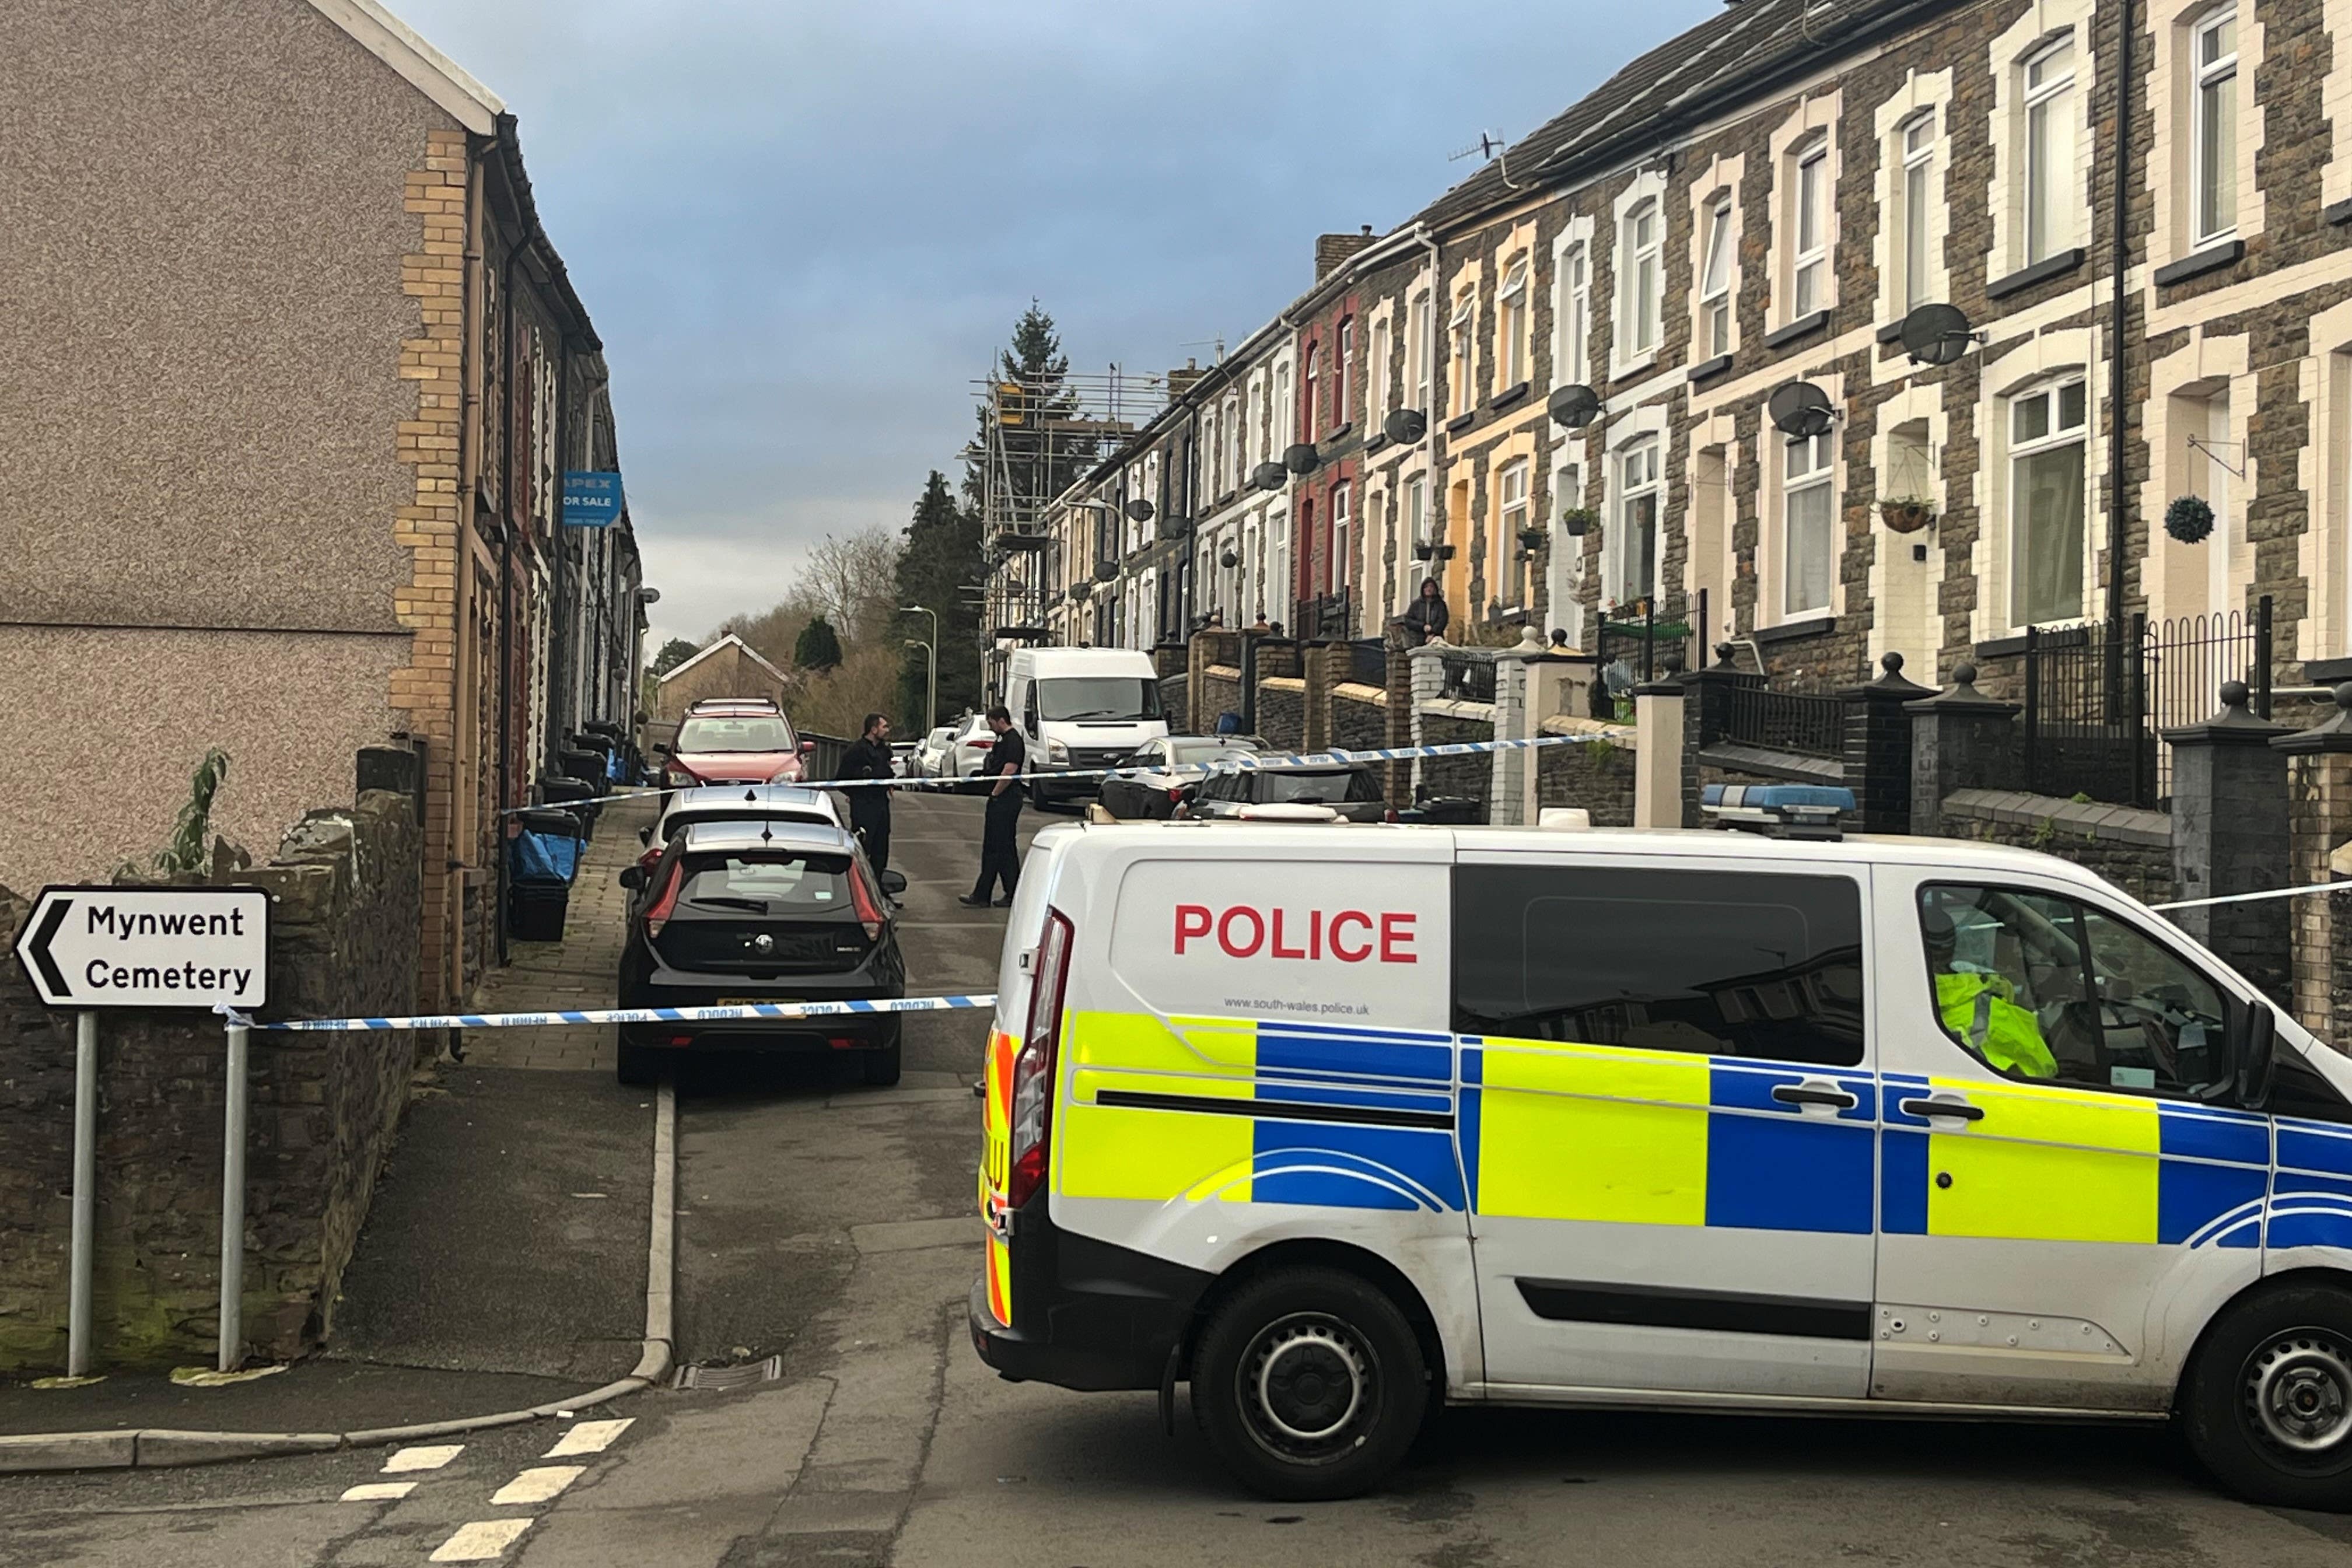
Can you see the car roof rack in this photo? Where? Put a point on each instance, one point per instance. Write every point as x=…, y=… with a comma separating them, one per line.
x=1780, y=811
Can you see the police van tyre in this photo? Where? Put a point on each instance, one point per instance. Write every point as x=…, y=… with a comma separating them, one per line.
x=2268, y=1406
x=1309, y=1384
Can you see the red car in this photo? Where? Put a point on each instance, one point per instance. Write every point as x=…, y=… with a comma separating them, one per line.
x=733, y=743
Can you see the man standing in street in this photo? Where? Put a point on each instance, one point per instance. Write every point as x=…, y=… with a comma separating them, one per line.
x=999, y=846
x=868, y=757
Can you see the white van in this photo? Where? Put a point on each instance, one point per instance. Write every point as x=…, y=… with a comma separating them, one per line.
x=1336, y=1122
x=1081, y=708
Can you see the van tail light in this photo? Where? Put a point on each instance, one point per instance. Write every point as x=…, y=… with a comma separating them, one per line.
x=980, y=743
x=1033, y=1069
x=658, y=915
x=869, y=908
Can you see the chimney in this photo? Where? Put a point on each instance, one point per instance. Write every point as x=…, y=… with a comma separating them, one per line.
x=1179, y=381
x=1332, y=250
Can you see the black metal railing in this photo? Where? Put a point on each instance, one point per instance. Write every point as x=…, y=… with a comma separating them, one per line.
x=1808, y=725
x=1333, y=615
x=1469, y=674
x=2189, y=659
x=1646, y=641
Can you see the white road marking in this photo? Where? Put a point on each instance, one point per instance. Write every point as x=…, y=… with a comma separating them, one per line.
x=589, y=1437
x=483, y=1540
x=404, y=1460
x=379, y=1491
x=538, y=1484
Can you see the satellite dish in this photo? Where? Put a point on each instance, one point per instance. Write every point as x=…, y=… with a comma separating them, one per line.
x=1800, y=409
x=1269, y=476
x=1405, y=426
x=1574, y=405
x=1139, y=511
x=1936, y=334
x=1302, y=460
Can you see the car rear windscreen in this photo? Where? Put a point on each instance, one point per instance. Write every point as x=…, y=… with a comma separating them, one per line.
x=779, y=882
x=1301, y=788
x=752, y=732
x=679, y=822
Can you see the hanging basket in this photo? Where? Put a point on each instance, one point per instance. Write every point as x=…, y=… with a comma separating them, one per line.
x=1579, y=521
x=2189, y=518
x=1229, y=560
x=1907, y=514
x=1423, y=550
x=1532, y=539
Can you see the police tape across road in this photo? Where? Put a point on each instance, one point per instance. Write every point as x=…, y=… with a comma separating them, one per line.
x=1239, y=762
x=619, y=1014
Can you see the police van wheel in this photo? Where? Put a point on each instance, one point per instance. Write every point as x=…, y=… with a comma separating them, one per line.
x=1309, y=1383
x=2268, y=1408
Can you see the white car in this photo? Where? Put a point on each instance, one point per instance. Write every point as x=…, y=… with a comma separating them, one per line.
x=930, y=752
x=969, y=752
x=738, y=803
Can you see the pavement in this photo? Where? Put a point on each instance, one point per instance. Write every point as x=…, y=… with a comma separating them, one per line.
x=826, y=1237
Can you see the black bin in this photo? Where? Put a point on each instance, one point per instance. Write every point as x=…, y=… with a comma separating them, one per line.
x=542, y=858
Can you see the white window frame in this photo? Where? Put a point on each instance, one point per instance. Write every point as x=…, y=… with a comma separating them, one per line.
x=1310, y=387
x=1461, y=329
x=1567, y=559
x=2207, y=225
x=1235, y=434
x=1714, y=280
x=1511, y=325
x=1647, y=451
x=1572, y=355
x=2056, y=435
x=1380, y=386
x=1283, y=419
x=1809, y=228
x=1342, y=519
x=1643, y=267
x=1513, y=494
x=1916, y=142
x=1416, y=526
x=1421, y=326
x=1808, y=469
x=1343, y=358
x=2043, y=180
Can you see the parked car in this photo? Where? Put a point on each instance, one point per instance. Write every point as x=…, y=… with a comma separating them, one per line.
x=1155, y=794
x=969, y=752
x=748, y=802
x=930, y=752
x=902, y=759
x=737, y=742
x=762, y=911
x=1348, y=789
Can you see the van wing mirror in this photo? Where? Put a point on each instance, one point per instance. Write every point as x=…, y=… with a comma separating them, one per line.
x=2257, y=1057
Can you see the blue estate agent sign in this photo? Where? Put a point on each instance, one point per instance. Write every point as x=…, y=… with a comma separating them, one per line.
x=591, y=499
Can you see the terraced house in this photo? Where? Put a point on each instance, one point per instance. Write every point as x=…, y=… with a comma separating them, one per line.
x=1649, y=362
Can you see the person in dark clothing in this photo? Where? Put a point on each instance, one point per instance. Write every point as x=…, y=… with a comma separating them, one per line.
x=1000, y=845
x=1427, y=616
x=868, y=757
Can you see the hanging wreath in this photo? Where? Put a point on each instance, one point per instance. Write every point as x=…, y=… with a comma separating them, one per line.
x=2189, y=518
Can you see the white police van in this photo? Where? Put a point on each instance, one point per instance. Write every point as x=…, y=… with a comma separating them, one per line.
x=1333, y=1123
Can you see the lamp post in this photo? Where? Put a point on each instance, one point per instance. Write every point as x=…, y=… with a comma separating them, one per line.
x=932, y=697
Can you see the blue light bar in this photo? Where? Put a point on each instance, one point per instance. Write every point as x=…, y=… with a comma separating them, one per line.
x=1779, y=811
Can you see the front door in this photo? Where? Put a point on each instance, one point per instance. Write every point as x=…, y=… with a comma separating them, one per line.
x=1667, y=1124
x=2066, y=1192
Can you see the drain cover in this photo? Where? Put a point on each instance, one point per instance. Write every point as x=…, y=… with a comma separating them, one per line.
x=724, y=1377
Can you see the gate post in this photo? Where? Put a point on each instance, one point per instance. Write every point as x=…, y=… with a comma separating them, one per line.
x=1960, y=739
x=2230, y=836
x=2319, y=823
x=1878, y=747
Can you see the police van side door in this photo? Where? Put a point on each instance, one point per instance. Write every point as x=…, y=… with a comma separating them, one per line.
x=2067, y=1190
x=1668, y=1122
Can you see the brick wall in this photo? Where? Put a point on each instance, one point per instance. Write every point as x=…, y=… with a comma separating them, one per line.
x=2131, y=848
x=1597, y=777
x=345, y=889
x=1175, y=703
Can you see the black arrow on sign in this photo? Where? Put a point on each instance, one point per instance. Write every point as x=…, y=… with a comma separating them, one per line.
x=40, y=947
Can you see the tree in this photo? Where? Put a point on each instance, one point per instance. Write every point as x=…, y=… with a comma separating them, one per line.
x=817, y=648
x=674, y=652
x=1038, y=462
x=850, y=582
x=940, y=555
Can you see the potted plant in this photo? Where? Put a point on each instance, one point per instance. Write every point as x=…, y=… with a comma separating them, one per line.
x=1532, y=539
x=1579, y=521
x=1423, y=550
x=2189, y=518
x=1906, y=514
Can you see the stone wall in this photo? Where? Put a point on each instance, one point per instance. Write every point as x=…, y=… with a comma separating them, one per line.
x=1448, y=723
x=1597, y=777
x=1282, y=712
x=1359, y=716
x=1175, y=703
x=2130, y=847
x=345, y=918
x=2320, y=823
x=1221, y=693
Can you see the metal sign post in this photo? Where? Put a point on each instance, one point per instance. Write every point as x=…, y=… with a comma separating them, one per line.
x=89, y=948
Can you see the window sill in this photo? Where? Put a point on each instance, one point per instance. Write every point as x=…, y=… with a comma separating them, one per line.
x=1803, y=327
x=1227, y=498
x=1460, y=422
x=1332, y=437
x=2041, y=271
x=1507, y=396
x=2212, y=258
x=1634, y=367
x=2336, y=212
x=1892, y=333
x=1376, y=440
x=2326, y=671
x=1708, y=369
x=1794, y=631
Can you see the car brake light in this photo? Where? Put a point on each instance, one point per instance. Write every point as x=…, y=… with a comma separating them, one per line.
x=869, y=909
x=978, y=744
x=1175, y=792
x=1033, y=1069
x=1390, y=814
x=658, y=915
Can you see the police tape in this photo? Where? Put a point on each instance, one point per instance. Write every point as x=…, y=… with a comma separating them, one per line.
x=1239, y=762
x=2303, y=891
x=713, y=1014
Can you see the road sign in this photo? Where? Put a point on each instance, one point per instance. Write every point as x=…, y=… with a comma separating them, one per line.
x=149, y=947
x=592, y=498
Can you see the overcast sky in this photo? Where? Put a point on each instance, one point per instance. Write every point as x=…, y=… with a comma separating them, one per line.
x=803, y=230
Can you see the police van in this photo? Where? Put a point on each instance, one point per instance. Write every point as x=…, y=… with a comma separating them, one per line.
x=1333, y=1123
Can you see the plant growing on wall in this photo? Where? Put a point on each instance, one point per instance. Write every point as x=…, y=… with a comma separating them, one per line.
x=2189, y=518
x=192, y=829
x=1906, y=514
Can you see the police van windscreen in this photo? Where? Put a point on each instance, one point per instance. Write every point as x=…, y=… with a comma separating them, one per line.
x=752, y=732
x=1098, y=696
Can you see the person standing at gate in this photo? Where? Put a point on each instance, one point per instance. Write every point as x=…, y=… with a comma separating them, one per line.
x=868, y=757
x=1000, y=845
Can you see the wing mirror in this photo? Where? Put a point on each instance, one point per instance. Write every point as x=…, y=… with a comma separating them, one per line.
x=894, y=882
x=2260, y=1057
x=808, y=748
x=661, y=749
x=633, y=875
x=645, y=836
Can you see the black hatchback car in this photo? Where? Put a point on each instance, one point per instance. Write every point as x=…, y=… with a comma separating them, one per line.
x=773, y=911
x=1349, y=789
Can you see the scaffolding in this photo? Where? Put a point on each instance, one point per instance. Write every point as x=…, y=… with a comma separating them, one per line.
x=1039, y=436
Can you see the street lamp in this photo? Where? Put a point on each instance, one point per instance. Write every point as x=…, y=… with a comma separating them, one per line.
x=931, y=698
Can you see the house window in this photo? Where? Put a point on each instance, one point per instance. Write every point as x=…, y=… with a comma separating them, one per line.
x=2213, y=140
x=1809, y=225
x=1337, y=565
x=2052, y=184
x=2045, y=503
x=1511, y=493
x=1918, y=161
x=1808, y=531
x=1233, y=444
x=1634, y=574
x=1249, y=438
x=1416, y=530
x=1511, y=310
x=1379, y=382
x=1420, y=327
x=1311, y=380
x=1466, y=313
x=1341, y=363
x=1638, y=294
x=1281, y=416
x=1715, y=280
x=1575, y=317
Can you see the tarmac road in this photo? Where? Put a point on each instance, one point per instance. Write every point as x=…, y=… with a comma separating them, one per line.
x=833, y=1228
